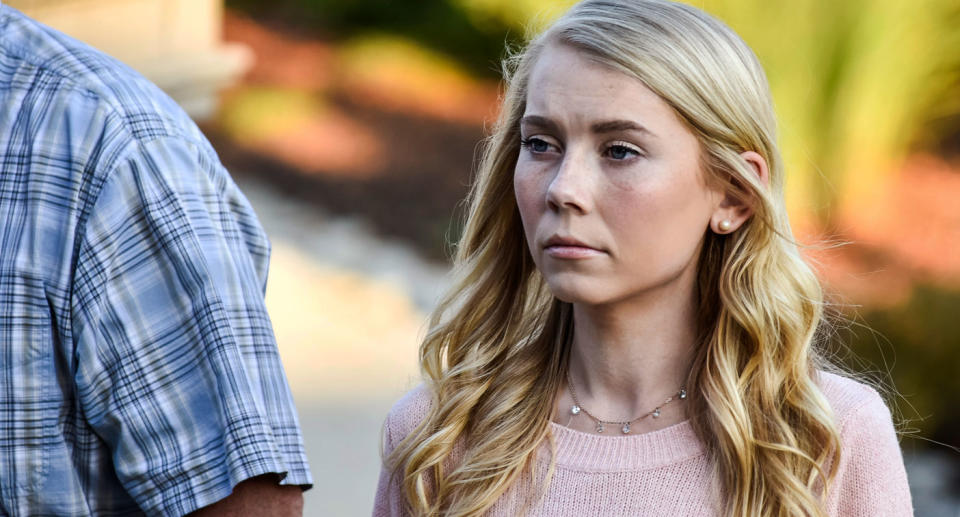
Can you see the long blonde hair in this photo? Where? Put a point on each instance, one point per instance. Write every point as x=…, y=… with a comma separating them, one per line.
x=497, y=349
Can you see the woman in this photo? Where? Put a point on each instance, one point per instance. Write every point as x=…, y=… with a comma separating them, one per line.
x=633, y=330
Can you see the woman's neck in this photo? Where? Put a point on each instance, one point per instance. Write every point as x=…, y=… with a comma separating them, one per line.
x=627, y=357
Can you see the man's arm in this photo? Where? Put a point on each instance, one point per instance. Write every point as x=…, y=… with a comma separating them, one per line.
x=255, y=497
x=177, y=367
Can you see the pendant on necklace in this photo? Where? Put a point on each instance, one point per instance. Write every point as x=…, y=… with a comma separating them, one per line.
x=575, y=410
x=599, y=427
x=656, y=413
x=626, y=428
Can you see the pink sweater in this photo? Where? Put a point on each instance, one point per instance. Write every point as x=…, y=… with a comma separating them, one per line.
x=666, y=472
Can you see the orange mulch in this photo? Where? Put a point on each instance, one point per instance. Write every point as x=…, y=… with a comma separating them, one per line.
x=281, y=59
x=913, y=236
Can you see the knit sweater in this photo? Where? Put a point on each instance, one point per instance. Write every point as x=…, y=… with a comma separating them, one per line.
x=667, y=472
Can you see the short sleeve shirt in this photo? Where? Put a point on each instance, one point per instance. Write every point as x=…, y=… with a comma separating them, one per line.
x=138, y=368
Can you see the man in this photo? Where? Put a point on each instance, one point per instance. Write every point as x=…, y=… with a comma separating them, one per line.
x=138, y=368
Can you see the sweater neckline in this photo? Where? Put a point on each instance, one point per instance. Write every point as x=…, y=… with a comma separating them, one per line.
x=586, y=451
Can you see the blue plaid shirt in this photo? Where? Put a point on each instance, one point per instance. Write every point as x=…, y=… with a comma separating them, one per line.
x=138, y=368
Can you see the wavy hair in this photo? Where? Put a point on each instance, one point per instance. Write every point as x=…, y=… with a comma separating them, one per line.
x=497, y=348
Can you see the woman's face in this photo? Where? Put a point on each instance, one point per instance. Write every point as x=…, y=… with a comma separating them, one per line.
x=608, y=182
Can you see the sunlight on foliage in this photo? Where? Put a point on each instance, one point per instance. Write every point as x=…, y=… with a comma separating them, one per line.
x=397, y=74
x=519, y=14
x=259, y=112
x=854, y=82
x=301, y=129
x=410, y=64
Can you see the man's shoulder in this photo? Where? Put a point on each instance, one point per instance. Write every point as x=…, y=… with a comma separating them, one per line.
x=39, y=53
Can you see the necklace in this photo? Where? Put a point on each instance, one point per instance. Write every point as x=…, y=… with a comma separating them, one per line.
x=577, y=408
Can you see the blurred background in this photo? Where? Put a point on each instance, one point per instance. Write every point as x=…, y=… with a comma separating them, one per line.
x=353, y=127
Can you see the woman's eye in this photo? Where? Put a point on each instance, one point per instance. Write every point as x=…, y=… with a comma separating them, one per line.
x=621, y=152
x=535, y=145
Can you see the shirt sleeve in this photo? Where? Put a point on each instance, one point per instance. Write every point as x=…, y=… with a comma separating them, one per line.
x=871, y=479
x=176, y=366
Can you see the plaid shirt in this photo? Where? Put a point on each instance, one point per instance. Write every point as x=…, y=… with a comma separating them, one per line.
x=138, y=368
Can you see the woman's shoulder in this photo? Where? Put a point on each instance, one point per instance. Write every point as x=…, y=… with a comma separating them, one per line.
x=406, y=414
x=853, y=402
x=870, y=477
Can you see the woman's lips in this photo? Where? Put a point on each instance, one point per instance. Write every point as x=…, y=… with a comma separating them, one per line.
x=566, y=251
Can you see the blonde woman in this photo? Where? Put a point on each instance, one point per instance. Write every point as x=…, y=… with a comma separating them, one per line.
x=634, y=330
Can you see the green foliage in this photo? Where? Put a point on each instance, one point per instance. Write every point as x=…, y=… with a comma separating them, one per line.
x=445, y=26
x=855, y=83
x=521, y=15
x=918, y=343
x=260, y=112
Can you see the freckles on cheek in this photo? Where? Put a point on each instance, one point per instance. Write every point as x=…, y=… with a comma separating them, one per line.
x=638, y=217
x=526, y=191
x=529, y=214
x=666, y=223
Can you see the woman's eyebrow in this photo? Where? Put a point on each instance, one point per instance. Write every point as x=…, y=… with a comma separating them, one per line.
x=605, y=126
x=540, y=122
x=611, y=126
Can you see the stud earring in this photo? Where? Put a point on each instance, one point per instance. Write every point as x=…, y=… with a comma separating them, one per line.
x=725, y=225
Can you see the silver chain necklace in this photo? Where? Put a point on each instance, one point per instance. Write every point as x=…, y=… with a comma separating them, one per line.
x=577, y=408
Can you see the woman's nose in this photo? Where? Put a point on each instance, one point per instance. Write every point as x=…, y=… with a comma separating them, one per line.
x=569, y=189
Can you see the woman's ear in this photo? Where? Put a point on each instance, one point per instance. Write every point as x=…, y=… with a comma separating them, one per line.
x=734, y=210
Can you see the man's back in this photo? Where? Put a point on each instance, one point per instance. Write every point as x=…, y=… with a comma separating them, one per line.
x=137, y=362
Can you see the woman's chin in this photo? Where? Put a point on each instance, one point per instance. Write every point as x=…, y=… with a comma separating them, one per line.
x=577, y=294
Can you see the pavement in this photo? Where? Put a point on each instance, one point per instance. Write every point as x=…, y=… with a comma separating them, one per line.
x=348, y=308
